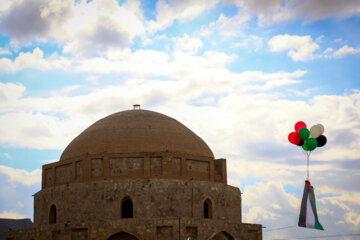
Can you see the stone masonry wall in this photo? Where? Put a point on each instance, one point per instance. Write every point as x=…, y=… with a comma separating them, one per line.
x=152, y=198
x=106, y=166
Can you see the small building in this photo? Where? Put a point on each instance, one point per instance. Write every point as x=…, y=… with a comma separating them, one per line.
x=137, y=175
x=7, y=224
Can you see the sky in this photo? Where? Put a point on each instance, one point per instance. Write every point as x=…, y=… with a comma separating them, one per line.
x=239, y=73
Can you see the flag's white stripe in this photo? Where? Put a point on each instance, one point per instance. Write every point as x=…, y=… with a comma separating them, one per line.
x=310, y=217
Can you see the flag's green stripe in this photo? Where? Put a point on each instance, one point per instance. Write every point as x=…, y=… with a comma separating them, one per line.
x=313, y=205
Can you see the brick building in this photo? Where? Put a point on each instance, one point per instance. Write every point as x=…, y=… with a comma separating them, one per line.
x=137, y=174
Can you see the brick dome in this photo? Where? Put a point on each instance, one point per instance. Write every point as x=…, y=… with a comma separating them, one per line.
x=137, y=131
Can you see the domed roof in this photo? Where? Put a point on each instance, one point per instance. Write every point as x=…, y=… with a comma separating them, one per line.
x=137, y=131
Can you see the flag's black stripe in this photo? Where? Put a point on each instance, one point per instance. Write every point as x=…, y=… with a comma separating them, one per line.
x=302, y=216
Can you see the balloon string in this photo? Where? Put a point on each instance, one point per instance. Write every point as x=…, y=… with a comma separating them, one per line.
x=308, y=157
x=307, y=154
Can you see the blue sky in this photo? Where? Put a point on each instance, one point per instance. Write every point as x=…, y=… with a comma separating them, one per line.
x=238, y=73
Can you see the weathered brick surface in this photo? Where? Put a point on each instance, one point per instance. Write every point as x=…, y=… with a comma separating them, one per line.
x=152, y=198
x=162, y=165
x=92, y=211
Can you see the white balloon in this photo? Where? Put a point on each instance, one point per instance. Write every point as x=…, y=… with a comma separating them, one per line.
x=315, y=131
x=322, y=128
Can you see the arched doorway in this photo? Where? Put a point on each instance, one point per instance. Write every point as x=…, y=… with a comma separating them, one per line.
x=222, y=236
x=122, y=236
x=126, y=208
x=52, y=215
x=207, y=208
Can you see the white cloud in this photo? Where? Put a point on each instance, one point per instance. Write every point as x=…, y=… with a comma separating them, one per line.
x=156, y=63
x=84, y=28
x=52, y=121
x=353, y=218
x=227, y=26
x=255, y=42
x=124, y=61
x=10, y=91
x=38, y=128
x=328, y=51
x=271, y=12
x=34, y=60
x=301, y=93
x=180, y=10
x=102, y=36
x=66, y=90
x=6, y=155
x=279, y=210
x=22, y=176
x=320, y=9
x=11, y=215
x=258, y=215
x=43, y=19
x=300, y=48
x=93, y=79
x=231, y=26
x=4, y=51
x=102, y=25
x=277, y=11
x=346, y=50
x=204, y=31
x=271, y=80
x=5, y=5
x=188, y=44
x=147, y=41
x=261, y=209
x=268, y=13
x=341, y=52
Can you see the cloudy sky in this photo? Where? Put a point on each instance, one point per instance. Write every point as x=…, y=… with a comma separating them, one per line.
x=239, y=73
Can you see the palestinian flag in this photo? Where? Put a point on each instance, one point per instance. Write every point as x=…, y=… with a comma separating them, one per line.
x=308, y=216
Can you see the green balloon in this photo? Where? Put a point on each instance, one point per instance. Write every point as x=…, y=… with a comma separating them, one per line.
x=311, y=144
x=304, y=133
x=305, y=147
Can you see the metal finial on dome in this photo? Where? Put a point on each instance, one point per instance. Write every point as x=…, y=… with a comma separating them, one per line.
x=136, y=106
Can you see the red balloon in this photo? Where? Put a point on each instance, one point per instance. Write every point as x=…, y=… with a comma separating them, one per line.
x=294, y=138
x=299, y=125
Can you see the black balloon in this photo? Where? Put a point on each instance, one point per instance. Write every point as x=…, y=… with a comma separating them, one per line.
x=301, y=143
x=321, y=140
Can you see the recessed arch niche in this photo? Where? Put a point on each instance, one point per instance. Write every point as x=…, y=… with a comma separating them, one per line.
x=122, y=236
x=222, y=236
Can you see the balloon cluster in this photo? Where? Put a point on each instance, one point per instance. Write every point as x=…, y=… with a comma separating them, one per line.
x=308, y=139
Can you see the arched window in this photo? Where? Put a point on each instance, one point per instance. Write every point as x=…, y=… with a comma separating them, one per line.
x=126, y=208
x=52, y=215
x=207, y=209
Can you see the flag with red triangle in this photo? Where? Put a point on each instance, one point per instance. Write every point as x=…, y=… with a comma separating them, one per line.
x=308, y=215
